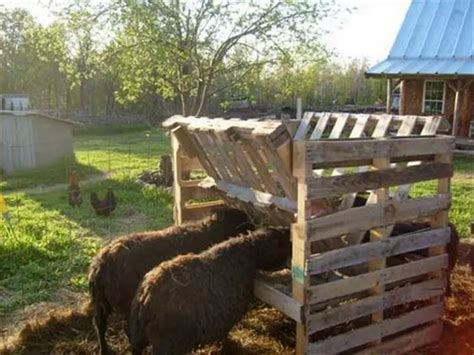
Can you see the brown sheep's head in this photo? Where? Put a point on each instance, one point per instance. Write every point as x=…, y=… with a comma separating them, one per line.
x=273, y=247
x=233, y=217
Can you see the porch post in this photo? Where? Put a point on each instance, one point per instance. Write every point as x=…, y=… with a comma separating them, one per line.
x=457, y=108
x=401, y=104
x=389, y=95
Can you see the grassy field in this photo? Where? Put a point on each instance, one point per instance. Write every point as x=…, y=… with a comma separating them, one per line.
x=48, y=245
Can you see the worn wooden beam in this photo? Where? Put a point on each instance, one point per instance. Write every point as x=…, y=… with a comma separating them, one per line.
x=375, y=215
x=336, y=185
x=355, y=284
x=357, y=254
x=324, y=151
x=361, y=336
x=366, y=306
x=284, y=303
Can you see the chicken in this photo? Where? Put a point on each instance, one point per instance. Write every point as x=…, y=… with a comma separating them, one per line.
x=105, y=207
x=75, y=196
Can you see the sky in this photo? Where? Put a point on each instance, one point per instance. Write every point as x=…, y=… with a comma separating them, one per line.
x=367, y=32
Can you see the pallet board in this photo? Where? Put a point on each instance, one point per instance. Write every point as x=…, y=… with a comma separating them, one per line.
x=354, y=287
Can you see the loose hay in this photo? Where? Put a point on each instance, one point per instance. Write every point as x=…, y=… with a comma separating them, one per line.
x=263, y=330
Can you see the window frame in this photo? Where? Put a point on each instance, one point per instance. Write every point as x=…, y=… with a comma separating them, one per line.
x=443, y=101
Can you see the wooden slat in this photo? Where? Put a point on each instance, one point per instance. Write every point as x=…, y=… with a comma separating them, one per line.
x=251, y=195
x=366, y=306
x=284, y=303
x=376, y=215
x=320, y=126
x=408, y=342
x=335, y=259
x=354, y=284
x=251, y=150
x=361, y=336
x=358, y=182
x=304, y=126
x=280, y=169
x=325, y=151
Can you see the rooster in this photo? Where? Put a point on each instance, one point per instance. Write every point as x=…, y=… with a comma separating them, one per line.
x=104, y=207
x=75, y=196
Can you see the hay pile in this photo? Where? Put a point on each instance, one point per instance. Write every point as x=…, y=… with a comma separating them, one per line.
x=263, y=331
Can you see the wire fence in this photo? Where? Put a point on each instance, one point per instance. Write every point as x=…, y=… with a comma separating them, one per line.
x=40, y=196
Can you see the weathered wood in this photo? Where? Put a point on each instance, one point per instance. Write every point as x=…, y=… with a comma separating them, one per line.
x=325, y=151
x=304, y=126
x=284, y=303
x=361, y=336
x=408, y=342
x=375, y=215
x=251, y=195
x=366, y=306
x=355, y=284
x=335, y=259
x=358, y=182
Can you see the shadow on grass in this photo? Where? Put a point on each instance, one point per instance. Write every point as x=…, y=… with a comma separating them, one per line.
x=54, y=174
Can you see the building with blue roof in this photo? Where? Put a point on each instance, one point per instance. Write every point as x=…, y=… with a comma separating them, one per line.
x=431, y=62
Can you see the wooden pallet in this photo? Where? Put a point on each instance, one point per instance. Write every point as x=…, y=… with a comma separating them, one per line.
x=347, y=293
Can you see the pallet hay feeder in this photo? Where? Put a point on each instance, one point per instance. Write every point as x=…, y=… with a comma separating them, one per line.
x=352, y=287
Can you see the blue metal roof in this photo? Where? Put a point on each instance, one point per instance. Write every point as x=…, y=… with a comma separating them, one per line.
x=436, y=38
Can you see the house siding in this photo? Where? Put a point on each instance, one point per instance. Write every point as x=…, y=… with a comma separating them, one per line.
x=413, y=103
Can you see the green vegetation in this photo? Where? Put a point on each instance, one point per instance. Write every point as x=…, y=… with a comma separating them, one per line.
x=163, y=57
x=48, y=245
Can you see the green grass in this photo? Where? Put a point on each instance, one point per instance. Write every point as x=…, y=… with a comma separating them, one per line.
x=48, y=245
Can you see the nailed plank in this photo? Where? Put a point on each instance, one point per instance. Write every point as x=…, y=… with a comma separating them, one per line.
x=335, y=259
x=358, y=182
x=284, y=303
x=325, y=151
x=251, y=195
x=320, y=126
x=354, y=284
x=375, y=215
x=366, y=306
x=304, y=126
x=361, y=336
x=408, y=342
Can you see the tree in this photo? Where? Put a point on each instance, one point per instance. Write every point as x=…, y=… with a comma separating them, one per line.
x=177, y=49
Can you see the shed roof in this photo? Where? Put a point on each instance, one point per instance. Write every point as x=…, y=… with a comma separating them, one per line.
x=35, y=113
x=436, y=38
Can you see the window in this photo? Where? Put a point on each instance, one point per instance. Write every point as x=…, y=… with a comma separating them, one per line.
x=433, y=97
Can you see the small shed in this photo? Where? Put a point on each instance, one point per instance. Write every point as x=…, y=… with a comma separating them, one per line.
x=29, y=139
x=14, y=102
x=431, y=62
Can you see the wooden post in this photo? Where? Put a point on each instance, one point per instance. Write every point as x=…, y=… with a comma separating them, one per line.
x=301, y=247
x=389, y=94
x=177, y=171
x=299, y=108
x=401, y=107
x=457, y=108
x=376, y=234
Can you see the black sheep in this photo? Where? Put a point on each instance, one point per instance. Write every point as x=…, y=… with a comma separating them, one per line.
x=118, y=269
x=197, y=299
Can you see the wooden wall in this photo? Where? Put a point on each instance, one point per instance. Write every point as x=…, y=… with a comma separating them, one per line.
x=413, y=102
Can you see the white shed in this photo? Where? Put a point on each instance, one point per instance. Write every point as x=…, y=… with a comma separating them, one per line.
x=30, y=139
x=14, y=102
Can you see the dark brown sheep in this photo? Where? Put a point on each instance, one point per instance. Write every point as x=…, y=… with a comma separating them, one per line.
x=118, y=269
x=197, y=299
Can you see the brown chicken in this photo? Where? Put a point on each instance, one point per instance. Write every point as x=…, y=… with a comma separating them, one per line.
x=75, y=196
x=104, y=207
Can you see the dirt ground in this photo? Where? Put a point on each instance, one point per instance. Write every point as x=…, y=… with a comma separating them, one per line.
x=263, y=330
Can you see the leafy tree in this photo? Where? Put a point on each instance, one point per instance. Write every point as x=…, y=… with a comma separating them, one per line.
x=178, y=49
